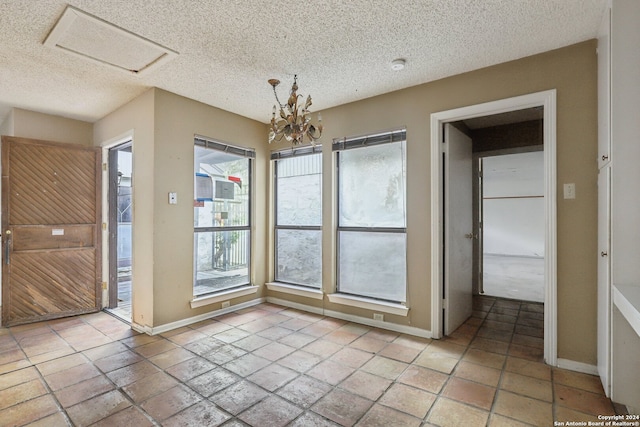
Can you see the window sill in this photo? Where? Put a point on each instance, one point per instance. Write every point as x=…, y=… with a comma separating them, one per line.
x=223, y=296
x=295, y=290
x=370, y=304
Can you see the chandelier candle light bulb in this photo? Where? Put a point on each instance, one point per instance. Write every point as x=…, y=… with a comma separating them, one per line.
x=295, y=124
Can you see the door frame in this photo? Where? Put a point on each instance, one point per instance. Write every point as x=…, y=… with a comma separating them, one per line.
x=547, y=100
x=106, y=146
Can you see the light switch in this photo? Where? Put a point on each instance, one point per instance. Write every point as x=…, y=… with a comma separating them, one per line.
x=173, y=198
x=570, y=191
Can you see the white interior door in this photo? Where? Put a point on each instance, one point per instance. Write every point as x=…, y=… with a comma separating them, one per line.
x=458, y=229
x=604, y=278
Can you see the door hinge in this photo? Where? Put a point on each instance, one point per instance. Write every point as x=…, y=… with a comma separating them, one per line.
x=104, y=166
x=104, y=285
x=104, y=225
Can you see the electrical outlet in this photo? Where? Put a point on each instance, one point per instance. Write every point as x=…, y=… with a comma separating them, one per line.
x=378, y=316
x=225, y=304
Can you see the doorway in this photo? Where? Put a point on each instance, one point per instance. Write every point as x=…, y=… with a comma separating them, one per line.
x=440, y=252
x=120, y=203
x=511, y=222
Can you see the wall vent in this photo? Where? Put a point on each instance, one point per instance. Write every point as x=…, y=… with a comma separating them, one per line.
x=85, y=35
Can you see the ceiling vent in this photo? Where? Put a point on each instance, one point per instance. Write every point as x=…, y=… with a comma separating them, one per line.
x=92, y=38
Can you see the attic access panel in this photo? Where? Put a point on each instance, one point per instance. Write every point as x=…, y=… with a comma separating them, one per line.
x=92, y=38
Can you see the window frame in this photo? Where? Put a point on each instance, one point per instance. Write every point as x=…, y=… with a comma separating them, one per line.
x=275, y=157
x=344, y=144
x=250, y=155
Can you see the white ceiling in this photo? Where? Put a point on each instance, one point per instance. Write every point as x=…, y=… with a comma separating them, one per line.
x=341, y=50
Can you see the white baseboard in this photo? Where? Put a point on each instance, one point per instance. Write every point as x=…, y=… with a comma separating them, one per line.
x=572, y=365
x=297, y=306
x=356, y=319
x=195, y=319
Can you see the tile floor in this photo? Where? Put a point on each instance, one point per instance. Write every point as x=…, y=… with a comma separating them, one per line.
x=273, y=366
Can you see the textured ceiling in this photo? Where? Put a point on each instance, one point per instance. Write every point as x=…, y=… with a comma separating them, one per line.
x=341, y=50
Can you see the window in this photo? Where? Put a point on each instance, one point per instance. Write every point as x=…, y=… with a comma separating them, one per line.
x=298, y=216
x=222, y=207
x=371, y=216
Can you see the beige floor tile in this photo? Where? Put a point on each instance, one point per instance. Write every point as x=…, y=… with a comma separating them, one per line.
x=370, y=344
x=485, y=358
x=366, y=385
x=437, y=362
x=563, y=413
x=409, y=400
x=268, y=365
x=445, y=348
x=28, y=411
x=448, y=413
x=323, y=348
x=304, y=391
x=170, y=402
x=300, y=361
x=213, y=381
x=131, y=416
x=18, y=377
x=423, y=378
x=578, y=380
x=238, y=397
x=274, y=351
x=528, y=368
x=172, y=357
x=273, y=411
x=330, y=372
x=492, y=346
x=582, y=400
x=21, y=392
x=469, y=392
x=527, y=386
x=385, y=368
x=156, y=347
x=523, y=408
x=351, y=357
x=501, y=421
x=342, y=407
x=273, y=376
x=204, y=413
x=399, y=352
x=83, y=390
x=478, y=373
x=148, y=387
x=383, y=416
x=97, y=408
x=311, y=419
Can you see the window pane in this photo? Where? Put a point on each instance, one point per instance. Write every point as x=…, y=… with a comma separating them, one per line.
x=299, y=257
x=221, y=189
x=373, y=264
x=222, y=260
x=371, y=186
x=299, y=190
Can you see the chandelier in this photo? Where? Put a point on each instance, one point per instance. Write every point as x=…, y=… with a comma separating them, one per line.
x=295, y=120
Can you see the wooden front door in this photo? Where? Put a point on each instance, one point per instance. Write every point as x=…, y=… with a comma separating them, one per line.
x=50, y=230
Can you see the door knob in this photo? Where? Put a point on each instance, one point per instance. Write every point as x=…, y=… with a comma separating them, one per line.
x=469, y=235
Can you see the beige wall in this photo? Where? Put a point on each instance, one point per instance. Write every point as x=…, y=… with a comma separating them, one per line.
x=6, y=128
x=572, y=72
x=137, y=119
x=29, y=124
x=178, y=119
x=164, y=125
